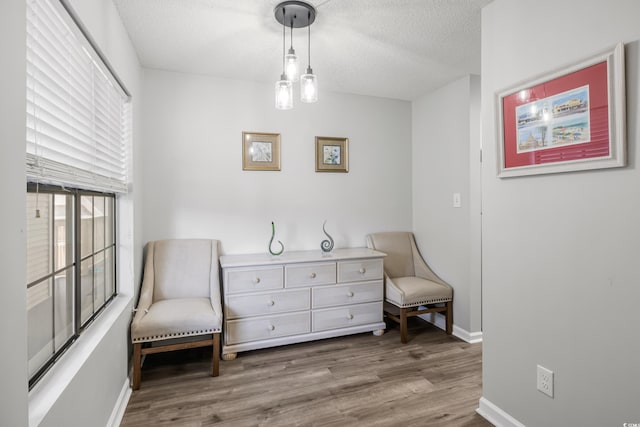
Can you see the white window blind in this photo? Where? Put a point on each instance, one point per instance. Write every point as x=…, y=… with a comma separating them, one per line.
x=78, y=115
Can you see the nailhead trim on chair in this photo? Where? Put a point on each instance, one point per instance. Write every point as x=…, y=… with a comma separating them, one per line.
x=435, y=301
x=180, y=334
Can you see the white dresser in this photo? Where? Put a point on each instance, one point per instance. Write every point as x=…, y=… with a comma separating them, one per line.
x=300, y=296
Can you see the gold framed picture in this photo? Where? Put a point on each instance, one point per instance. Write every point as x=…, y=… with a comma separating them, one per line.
x=332, y=154
x=260, y=151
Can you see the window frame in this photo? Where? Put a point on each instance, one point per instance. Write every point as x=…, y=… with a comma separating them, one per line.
x=78, y=326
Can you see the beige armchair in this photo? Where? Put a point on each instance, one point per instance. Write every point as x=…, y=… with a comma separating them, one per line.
x=179, y=297
x=409, y=282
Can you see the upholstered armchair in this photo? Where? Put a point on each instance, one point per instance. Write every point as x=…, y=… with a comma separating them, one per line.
x=411, y=288
x=179, y=298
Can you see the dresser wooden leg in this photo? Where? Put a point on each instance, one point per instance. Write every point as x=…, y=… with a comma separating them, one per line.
x=378, y=332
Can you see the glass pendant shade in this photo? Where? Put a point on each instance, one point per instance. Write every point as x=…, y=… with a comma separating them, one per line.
x=308, y=87
x=295, y=14
x=284, y=93
x=291, y=66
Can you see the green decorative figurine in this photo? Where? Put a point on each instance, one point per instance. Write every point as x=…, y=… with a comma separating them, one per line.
x=273, y=234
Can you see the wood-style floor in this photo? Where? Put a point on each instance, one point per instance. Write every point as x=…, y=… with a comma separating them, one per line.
x=357, y=380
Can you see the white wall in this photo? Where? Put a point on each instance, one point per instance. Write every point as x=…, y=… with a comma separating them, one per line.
x=446, y=160
x=13, y=311
x=61, y=398
x=196, y=187
x=560, y=252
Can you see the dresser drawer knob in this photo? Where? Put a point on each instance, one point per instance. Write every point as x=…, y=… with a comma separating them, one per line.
x=313, y=275
x=349, y=294
x=363, y=270
x=272, y=302
x=257, y=280
x=272, y=327
x=350, y=316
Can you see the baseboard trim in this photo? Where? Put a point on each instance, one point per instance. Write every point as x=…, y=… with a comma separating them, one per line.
x=470, y=337
x=121, y=405
x=495, y=415
x=439, y=320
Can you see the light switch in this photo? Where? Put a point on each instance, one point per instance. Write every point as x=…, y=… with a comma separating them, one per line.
x=457, y=203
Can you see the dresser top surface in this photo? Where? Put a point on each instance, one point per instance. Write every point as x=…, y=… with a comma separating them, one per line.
x=291, y=257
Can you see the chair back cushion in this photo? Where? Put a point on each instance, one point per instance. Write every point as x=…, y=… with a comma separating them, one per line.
x=183, y=268
x=397, y=245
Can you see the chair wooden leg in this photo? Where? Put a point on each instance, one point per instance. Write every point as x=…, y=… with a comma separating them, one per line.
x=403, y=326
x=137, y=362
x=449, y=323
x=216, y=355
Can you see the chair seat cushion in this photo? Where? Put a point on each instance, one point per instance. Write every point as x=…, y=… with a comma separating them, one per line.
x=173, y=318
x=414, y=291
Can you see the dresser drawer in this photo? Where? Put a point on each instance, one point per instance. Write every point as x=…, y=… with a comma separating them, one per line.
x=350, y=315
x=247, y=305
x=252, y=279
x=261, y=328
x=328, y=296
x=358, y=270
x=319, y=273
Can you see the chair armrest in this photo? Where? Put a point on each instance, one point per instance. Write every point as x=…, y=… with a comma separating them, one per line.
x=422, y=269
x=216, y=303
x=146, y=290
x=214, y=292
x=392, y=293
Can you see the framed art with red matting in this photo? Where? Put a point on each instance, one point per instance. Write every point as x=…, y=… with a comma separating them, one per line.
x=572, y=119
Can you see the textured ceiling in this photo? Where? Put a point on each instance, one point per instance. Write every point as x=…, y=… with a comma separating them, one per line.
x=389, y=48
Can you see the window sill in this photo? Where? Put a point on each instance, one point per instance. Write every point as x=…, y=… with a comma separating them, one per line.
x=47, y=391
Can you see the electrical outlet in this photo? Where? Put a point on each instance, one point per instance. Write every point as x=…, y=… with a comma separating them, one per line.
x=457, y=202
x=545, y=381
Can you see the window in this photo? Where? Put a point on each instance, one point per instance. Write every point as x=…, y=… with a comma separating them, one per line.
x=78, y=134
x=70, y=267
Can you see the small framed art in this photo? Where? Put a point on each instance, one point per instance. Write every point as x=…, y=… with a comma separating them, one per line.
x=568, y=120
x=332, y=154
x=260, y=151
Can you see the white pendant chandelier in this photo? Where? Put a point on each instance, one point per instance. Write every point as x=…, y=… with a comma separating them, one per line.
x=295, y=14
